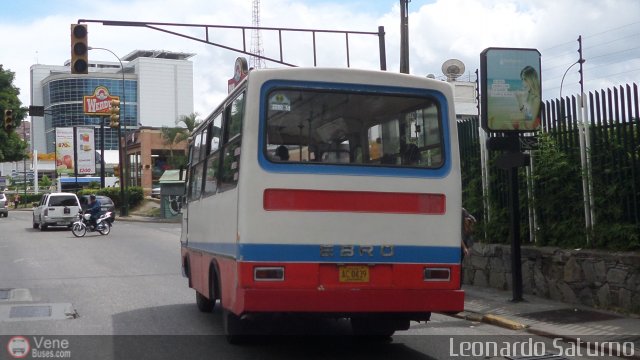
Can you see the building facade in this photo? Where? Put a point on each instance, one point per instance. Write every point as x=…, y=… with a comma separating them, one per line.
x=149, y=155
x=158, y=89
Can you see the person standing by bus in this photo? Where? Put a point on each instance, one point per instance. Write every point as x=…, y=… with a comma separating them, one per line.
x=468, y=224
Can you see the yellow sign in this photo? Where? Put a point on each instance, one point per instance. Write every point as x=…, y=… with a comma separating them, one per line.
x=353, y=273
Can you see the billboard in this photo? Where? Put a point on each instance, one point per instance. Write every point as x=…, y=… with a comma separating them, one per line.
x=65, y=159
x=99, y=103
x=85, y=150
x=511, y=94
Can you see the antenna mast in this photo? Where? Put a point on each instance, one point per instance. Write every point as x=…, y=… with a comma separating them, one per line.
x=256, y=43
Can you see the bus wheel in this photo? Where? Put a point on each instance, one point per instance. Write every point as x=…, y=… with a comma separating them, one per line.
x=233, y=327
x=204, y=304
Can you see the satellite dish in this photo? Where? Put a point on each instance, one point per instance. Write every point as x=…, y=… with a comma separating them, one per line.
x=453, y=68
x=431, y=76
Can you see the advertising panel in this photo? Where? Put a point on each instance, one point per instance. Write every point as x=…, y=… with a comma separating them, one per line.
x=511, y=92
x=64, y=151
x=99, y=103
x=86, y=150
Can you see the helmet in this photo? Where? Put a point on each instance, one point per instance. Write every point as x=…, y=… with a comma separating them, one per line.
x=87, y=216
x=92, y=197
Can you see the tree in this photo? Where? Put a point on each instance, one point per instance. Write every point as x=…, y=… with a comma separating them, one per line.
x=12, y=147
x=170, y=135
x=190, y=121
x=45, y=181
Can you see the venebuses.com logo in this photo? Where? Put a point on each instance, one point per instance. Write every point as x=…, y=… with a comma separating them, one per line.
x=18, y=347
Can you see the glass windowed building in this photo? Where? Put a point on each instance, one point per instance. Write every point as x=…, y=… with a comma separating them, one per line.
x=158, y=89
x=63, y=100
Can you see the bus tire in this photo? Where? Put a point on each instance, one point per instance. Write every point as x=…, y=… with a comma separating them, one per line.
x=214, y=289
x=204, y=304
x=233, y=328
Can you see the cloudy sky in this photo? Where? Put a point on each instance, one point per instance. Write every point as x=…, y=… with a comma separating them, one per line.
x=35, y=31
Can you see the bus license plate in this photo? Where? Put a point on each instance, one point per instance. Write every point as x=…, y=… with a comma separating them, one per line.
x=354, y=273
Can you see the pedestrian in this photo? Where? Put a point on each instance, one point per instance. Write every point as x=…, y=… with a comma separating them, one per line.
x=16, y=201
x=468, y=225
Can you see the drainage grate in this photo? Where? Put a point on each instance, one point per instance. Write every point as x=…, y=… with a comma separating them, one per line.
x=29, y=311
x=4, y=294
x=569, y=316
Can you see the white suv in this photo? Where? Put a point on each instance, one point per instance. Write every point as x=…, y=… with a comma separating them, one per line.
x=4, y=205
x=56, y=209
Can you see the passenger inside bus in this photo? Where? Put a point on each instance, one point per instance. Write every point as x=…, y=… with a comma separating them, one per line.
x=282, y=153
x=411, y=155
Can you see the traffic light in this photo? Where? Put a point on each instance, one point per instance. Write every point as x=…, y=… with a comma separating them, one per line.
x=79, y=49
x=8, y=120
x=115, y=114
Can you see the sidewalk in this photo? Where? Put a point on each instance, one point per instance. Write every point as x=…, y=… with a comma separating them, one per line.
x=549, y=318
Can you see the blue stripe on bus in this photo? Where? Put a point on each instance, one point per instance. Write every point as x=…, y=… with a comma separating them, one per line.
x=310, y=168
x=332, y=253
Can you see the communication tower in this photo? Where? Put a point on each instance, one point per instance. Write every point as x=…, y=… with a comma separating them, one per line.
x=256, y=43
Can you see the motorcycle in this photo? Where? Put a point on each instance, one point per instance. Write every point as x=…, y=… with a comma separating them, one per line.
x=103, y=225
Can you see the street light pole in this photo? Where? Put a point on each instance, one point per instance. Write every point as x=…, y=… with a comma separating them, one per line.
x=124, y=206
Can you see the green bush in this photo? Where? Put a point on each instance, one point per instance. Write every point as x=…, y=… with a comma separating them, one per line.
x=134, y=195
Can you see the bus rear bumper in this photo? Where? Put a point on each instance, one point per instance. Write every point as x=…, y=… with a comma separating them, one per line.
x=345, y=301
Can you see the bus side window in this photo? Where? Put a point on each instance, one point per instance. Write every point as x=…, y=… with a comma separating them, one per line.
x=230, y=167
x=211, y=177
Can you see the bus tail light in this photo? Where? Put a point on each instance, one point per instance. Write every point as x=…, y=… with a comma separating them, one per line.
x=268, y=274
x=437, y=274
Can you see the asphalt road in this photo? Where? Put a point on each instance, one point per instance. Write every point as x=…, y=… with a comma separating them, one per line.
x=128, y=285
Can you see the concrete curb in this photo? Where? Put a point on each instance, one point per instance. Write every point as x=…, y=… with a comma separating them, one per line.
x=490, y=319
x=147, y=220
x=503, y=322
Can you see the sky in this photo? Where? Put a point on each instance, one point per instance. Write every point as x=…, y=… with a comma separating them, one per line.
x=37, y=32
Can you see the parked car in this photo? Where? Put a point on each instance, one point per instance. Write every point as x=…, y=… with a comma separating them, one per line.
x=155, y=192
x=4, y=205
x=56, y=209
x=106, y=204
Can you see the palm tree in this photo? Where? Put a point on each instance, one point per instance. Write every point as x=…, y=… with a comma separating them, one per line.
x=170, y=134
x=190, y=121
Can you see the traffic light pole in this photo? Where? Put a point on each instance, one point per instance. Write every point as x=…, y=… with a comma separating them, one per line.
x=124, y=203
x=102, y=162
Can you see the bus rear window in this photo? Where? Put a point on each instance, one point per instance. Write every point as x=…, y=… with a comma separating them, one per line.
x=329, y=127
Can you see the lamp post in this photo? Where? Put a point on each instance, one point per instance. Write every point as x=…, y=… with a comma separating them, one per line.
x=121, y=158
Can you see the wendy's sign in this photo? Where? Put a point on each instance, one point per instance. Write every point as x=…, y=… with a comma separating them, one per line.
x=99, y=103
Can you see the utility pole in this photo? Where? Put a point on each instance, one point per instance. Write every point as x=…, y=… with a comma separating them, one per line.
x=404, y=36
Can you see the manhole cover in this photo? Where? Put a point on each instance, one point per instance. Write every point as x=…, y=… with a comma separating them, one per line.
x=569, y=316
x=4, y=294
x=29, y=311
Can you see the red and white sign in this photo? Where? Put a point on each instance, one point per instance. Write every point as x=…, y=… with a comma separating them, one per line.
x=85, y=151
x=99, y=103
x=241, y=69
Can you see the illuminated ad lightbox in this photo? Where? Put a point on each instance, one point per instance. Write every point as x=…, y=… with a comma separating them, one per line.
x=511, y=95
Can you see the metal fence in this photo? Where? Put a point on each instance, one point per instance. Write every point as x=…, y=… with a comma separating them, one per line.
x=599, y=145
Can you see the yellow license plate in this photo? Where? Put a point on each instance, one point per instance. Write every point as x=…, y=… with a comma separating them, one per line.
x=354, y=273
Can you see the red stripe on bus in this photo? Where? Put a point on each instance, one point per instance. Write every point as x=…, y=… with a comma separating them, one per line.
x=353, y=201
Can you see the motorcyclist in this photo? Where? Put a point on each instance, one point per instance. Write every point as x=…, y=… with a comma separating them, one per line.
x=93, y=209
